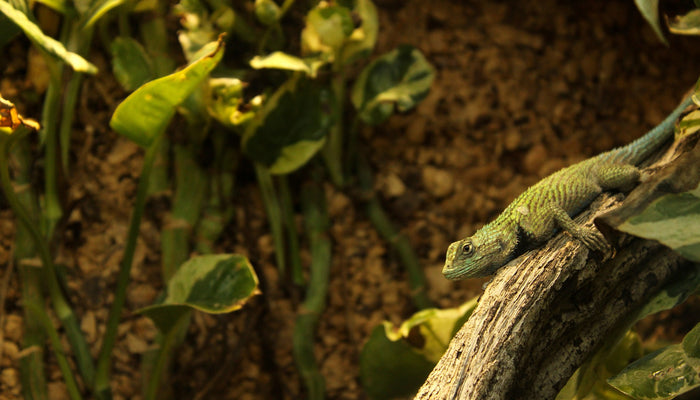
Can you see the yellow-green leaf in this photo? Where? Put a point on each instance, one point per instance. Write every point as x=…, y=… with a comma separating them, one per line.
x=146, y=112
x=46, y=43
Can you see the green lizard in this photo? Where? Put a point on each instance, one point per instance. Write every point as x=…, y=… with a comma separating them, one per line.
x=535, y=215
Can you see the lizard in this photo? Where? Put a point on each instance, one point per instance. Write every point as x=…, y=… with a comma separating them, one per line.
x=549, y=205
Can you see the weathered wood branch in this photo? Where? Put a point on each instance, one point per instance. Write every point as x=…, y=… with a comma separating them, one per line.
x=545, y=313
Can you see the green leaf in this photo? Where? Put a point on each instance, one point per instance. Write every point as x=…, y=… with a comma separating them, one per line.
x=8, y=30
x=267, y=12
x=291, y=126
x=688, y=24
x=215, y=284
x=650, y=12
x=281, y=60
x=691, y=344
x=662, y=374
x=689, y=124
x=327, y=28
x=130, y=63
x=399, y=79
x=98, y=9
x=390, y=369
x=145, y=113
x=363, y=38
x=672, y=219
x=56, y=5
x=395, y=361
x=46, y=43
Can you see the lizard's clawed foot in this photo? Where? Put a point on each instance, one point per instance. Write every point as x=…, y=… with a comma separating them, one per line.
x=593, y=239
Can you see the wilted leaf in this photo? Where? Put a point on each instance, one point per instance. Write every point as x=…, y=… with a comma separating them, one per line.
x=147, y=111
x=400, y=78
x=224, y=98
x=280, y=60
x=214, y=284
x=672, y=219
x=688, y=24
x=291, y=126
x=395, y=361
x=130, y=63
x=650, y=12
x=46, y=43
x=10, y=118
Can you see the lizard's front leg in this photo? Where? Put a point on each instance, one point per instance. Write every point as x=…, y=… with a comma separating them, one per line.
x=590, y=237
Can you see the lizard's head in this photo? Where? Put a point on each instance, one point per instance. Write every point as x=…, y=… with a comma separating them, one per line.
x=479, y=255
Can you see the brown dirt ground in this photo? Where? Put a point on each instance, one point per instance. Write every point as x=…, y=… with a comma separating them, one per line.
x=522, y=89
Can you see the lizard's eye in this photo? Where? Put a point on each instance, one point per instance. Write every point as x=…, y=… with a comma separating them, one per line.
x=467, y=248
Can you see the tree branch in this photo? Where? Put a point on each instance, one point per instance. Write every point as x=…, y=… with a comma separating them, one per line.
x=546, y=312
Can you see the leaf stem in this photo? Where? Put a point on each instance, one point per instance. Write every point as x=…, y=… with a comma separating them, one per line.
x=274, y=213
x=63, y=310
x=316, y=222
x=398, y=241
x=101, y=383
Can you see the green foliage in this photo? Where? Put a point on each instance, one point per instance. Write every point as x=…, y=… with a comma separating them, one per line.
x=688, y=24
x=395, y=361
x=399, y=79
x=291, y=126
x=131, y=65
x=214, y=284
x=146, y=113
x=674, y=220
x=44, y=42
x=650, y=12
x=589, y=382
x=665, y=373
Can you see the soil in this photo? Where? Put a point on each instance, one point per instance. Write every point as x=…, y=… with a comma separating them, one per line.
x=521, y=90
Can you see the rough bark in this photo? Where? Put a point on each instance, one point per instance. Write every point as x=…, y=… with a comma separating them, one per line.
x=546, y=312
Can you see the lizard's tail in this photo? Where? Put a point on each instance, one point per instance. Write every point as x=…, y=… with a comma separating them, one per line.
x=637, y=151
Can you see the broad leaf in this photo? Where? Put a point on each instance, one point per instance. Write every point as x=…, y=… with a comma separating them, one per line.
x=395, y=361
x=46, y=43
x=674, y=220
x=665, y=373
x=145, y=113
x=214, y=284
x=291, y=126
x=650, y=12
x=399, y=79
x=130, y=63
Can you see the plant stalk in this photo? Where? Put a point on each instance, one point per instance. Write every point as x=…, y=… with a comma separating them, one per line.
x=63, y=311
x=274, y=214
x=398, y=241
x=101, y=383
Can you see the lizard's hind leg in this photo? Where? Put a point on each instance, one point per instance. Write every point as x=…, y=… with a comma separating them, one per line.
x=622, y=177
x=590, y=237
